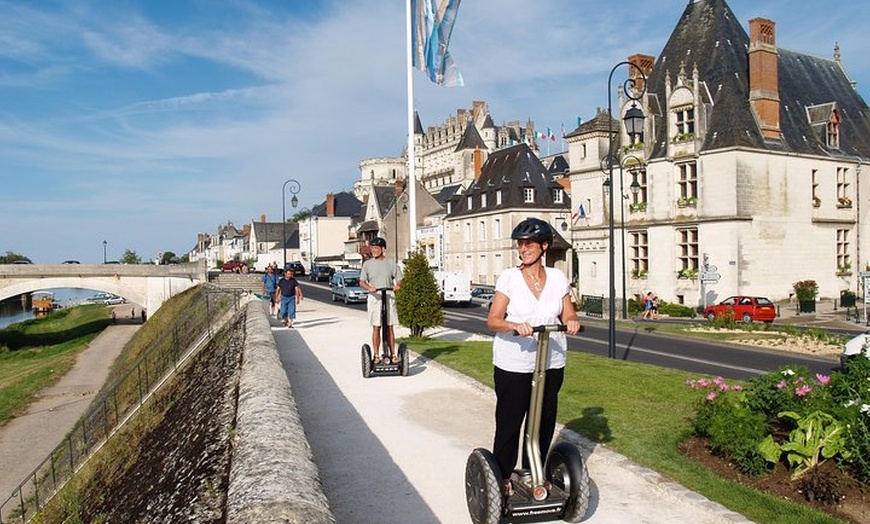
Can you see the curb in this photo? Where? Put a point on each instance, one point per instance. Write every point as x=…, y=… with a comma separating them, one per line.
x=273, y=477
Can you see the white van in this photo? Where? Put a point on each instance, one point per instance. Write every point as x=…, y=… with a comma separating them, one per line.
x=455, y=287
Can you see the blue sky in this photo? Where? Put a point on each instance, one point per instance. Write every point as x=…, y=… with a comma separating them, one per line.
x=143, y=123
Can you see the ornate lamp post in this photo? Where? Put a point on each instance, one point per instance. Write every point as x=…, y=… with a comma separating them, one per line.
x=403, y=198
x=104, y=251
x=294, y=189
x=633, y=121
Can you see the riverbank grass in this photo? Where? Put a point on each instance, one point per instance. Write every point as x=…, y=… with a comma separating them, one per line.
x=36, y=353
x=638, y=410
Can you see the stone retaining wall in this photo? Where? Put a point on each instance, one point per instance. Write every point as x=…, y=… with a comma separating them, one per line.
x=273, y=477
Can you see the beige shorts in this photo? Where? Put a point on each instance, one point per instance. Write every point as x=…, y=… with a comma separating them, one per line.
x=373, y=305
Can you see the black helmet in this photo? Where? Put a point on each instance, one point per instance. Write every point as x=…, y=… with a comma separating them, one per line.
x=378, y=241
x=533, y=229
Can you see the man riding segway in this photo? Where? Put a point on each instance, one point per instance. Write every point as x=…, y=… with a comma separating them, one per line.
x=382, y=277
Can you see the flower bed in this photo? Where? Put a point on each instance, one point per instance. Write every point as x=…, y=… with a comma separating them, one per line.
x=791, y=419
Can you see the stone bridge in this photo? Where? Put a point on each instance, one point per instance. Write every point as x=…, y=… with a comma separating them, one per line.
x=145, y=284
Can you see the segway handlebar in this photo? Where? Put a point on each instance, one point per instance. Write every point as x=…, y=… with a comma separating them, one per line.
x=548, y=328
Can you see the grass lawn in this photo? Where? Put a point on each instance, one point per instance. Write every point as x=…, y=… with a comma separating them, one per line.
x=43, y=351
x=638, y=410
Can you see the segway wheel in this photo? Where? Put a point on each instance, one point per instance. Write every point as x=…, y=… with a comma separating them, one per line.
x=404, y=358
x=366, y=357
x=483, y=487
x=565, y=469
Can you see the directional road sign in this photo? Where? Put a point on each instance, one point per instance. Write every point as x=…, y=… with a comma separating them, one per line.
x=709, y=277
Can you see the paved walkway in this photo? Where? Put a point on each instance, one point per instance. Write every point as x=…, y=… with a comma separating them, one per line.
x=57, y=408
x=393, y=449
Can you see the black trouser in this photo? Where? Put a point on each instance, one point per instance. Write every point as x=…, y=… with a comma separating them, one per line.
x=513, y=392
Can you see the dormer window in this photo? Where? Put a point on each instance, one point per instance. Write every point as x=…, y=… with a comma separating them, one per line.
x=685, y=123
x=832, y=130
x=528, y=195
x=557, y=195
x=483, y=200
x=470, y=202
x=498, y=197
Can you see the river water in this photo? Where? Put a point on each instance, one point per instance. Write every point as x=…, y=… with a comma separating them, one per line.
x=13, y=310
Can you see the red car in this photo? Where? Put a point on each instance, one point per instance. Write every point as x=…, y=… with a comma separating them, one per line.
x=235, y=265
x=743, y=308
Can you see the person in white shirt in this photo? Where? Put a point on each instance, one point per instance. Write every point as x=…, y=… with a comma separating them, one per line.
x=527, y=296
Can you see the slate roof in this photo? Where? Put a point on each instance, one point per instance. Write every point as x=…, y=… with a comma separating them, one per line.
x=470, y=139
x=559, y=166
x=598, y=124
x=418, y=126
x=446, y=193
x=710, y=35
x=510, y=170
x=272, y=231
x=346, y=205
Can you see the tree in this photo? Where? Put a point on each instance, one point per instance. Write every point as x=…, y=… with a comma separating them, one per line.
x=418, y=300
x=130, y=257
x=168, y=257
x=11, y=257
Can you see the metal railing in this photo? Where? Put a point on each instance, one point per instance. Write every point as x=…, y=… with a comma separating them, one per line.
x=209, y=309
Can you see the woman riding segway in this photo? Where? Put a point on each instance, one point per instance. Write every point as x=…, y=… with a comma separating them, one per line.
x=526, y=296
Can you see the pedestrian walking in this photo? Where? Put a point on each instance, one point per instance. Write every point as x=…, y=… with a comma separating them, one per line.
x=288, y=294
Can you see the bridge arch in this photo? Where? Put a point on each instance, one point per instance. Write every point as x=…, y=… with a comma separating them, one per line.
x=147, y=285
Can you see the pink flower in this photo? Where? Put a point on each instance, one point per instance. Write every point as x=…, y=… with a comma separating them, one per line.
x=803, y=390
x=823, y=379
x=782, y=385
x=711, y=396
x=737, y=387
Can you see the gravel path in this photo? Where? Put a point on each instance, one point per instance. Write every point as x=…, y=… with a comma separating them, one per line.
x=56, y=409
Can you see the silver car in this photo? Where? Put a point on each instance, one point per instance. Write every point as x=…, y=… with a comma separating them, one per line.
x=344, y=285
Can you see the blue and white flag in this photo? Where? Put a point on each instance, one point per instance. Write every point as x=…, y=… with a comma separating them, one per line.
x=431, y=27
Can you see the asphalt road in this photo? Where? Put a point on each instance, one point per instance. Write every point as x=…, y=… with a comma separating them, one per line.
x=637, y=341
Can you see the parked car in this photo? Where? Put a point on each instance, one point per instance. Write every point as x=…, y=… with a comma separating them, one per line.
x=70, y=262
x=114, y=300
x=321, y=272
x=234, y=265
x=743, y=308
x=854, y=347
x=297, y=267
x=344, y=285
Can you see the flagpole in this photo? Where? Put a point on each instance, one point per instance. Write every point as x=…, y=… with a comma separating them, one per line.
x=412, y=172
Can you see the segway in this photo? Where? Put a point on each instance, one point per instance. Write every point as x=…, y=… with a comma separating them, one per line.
x=369, y=366
x=558, y=490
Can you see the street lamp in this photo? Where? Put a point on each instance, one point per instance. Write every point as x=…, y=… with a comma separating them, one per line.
x=294, y=188
x=104, y=251
x=403, y=197
x=633, y=121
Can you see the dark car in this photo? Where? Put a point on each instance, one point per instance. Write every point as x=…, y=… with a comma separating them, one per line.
x=743, y=308
x=235, y=266
x=321, y=272
x=297, y=267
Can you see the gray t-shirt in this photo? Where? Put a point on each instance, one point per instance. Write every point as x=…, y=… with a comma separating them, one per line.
x=381, y=273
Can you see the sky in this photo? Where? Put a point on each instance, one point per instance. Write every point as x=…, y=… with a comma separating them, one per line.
x=143, y=123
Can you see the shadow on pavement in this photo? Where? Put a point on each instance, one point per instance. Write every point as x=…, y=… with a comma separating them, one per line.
x=360, y=479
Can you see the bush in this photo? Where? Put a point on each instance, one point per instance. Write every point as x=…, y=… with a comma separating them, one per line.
x=806, y=290
x=676, y=310
x=737, y=434
x=418, y=300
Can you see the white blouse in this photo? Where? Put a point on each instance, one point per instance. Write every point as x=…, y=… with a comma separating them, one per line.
x=515, y=353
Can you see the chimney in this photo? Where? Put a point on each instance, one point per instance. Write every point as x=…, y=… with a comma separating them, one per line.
x=645, y=64
x=764, y=76
x=330, y=205
x=478, y=162
x=262, y=218
x=400, y=187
